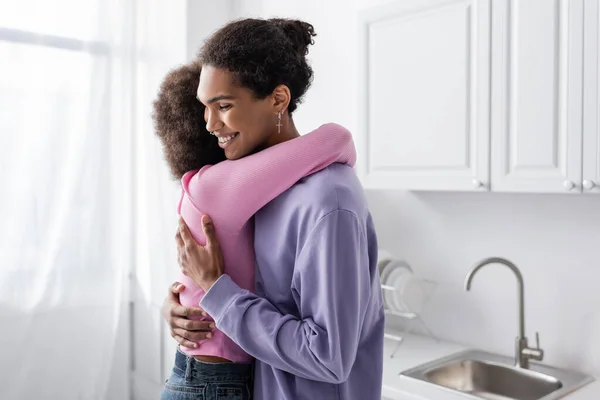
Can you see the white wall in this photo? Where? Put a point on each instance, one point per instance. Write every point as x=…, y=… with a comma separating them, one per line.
x=552, y=238
x=204, y=17
x=333, y=95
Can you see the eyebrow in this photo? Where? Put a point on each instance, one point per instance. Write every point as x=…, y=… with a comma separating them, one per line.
x=218, y=98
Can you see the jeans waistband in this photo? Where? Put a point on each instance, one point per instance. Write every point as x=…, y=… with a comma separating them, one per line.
x=227, y=371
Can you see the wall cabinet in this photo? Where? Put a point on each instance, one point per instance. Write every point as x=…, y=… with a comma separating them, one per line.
x=591, y=97
x=480, y=95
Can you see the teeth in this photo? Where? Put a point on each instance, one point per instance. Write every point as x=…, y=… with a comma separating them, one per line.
x=225, y=139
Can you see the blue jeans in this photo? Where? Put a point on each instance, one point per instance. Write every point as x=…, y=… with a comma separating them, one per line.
x=196, y=380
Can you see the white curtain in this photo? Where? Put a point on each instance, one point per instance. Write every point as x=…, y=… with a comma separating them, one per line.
x=80, y=172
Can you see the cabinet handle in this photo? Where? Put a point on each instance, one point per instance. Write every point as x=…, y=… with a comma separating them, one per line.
x=569, y=185
x=477, y=183
x=588, y=185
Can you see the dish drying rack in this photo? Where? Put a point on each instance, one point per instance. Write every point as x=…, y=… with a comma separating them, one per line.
x=410, y=316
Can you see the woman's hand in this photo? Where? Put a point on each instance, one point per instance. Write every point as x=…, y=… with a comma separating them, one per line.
x=186, y=331
x=203, y=264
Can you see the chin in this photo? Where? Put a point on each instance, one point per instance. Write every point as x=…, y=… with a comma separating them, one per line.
x=237, y=153
x=233, y=155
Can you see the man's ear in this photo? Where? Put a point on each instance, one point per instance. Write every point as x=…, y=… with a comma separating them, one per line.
x=281, y=98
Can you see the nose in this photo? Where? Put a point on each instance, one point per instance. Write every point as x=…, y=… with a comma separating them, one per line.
x=213, y=122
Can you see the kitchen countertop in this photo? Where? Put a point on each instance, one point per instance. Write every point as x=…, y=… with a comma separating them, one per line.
x=416, y=350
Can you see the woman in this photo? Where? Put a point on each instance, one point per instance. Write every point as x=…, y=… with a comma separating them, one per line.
x=315, y=323
x=217, y=364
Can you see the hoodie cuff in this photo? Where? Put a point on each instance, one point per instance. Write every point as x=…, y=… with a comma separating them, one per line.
x=220, y=296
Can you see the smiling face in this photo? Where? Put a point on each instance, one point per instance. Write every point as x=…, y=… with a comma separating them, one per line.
x=243, y=123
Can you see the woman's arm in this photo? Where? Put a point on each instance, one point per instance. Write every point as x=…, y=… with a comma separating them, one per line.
x=239, y=188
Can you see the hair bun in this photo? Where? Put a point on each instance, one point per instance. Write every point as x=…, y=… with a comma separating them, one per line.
x=300, y=33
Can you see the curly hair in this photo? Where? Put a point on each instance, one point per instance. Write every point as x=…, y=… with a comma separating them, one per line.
x=263, y=54
x=179, y=122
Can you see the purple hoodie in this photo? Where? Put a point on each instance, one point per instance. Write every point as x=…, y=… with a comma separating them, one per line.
x=316, y=322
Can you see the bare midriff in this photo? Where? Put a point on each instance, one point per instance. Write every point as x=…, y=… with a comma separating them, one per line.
x=211, y=359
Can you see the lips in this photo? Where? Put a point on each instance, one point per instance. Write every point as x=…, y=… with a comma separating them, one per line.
x=225, y=140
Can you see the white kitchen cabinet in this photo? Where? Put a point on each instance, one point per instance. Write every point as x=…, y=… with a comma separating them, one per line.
x=591, y=111
x=537, y=70
x=479, y=95
x=424, y=98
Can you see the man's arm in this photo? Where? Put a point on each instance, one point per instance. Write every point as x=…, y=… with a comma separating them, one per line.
x=332, y=283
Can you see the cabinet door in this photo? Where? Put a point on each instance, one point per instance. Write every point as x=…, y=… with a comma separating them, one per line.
x=591, y=113
x=537, y=74
x=424, y=97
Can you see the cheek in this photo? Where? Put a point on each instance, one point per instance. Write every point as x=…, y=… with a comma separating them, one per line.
x=261, y=131
x=254, y=125
x=265, y=121
x=235, y=120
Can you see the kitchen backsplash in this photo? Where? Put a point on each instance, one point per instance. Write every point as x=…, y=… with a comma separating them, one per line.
x=553, y=239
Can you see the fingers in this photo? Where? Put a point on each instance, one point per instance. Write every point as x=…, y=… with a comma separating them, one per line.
x=209, y=231
x=179, y=239
x=188, y=332
x=174, y=307
x=192, y=336
x=184, y=342
x=176, y=288
x=186, y=312
x=173, y=297
x=185, y=331
x=184, y=234
x=191, y=325
x=177, y=310
x=172, y=300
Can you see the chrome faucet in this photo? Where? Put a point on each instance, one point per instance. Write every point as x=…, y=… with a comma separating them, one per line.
x=522, y=353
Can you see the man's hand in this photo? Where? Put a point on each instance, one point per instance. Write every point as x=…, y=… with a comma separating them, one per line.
x=203, y=264
x=186, y=331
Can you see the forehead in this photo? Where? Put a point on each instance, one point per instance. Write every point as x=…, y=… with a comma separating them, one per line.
x=214, y=82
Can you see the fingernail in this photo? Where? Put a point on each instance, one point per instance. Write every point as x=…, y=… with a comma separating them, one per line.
x=195, y=345
x=208, y=335
x=211, y=325
x=204, y=314
x=177, y=287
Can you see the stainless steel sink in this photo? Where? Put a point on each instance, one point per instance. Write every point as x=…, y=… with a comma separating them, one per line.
x=481, y=375
x=489, y=376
